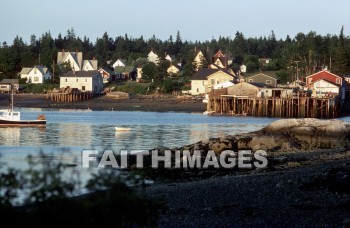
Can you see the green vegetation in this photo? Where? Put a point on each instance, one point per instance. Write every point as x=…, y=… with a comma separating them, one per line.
x=313, y=52
x=132, y=88
x=39, y=88
x=50, y=197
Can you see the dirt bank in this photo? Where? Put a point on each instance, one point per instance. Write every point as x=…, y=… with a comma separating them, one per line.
x=169, y=104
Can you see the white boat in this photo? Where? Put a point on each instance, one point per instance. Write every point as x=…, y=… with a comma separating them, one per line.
x=10, y=117
x=208, y=112
x=122, y=129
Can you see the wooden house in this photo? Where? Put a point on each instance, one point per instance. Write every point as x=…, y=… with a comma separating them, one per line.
x=36, y=74
x=204, y=79
x=6, y=85
x=125, y=73
x=91, y=81
x=323, y=88
x=107, y=74
x=119, y=62
x=263, y=78
x=326, y=75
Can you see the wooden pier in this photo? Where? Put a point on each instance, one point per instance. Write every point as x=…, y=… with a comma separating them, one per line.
x=70, y=97
x=291, y=107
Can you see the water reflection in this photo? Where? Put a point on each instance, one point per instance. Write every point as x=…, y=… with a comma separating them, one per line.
x=78, y=130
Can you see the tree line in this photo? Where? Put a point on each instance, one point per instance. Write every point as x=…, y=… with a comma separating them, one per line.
x=312, y=51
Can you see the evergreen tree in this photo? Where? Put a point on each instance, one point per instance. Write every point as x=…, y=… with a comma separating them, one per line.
x=340, y=65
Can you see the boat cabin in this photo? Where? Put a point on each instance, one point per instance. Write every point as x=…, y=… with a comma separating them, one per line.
x=10, y=115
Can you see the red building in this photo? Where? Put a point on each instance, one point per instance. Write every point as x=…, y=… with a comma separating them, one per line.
x=325, y=75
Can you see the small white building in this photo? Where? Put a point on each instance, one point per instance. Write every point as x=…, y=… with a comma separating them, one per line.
x=35, y=75
x=138, y=74
x=119, y=62
x=322, y=88
x=153, y=57
x=91, y=81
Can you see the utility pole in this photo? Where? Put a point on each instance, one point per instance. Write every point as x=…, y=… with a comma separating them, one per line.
x=297, y=61
x=53, y=72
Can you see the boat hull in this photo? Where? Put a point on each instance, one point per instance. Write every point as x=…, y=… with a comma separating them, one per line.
x=6, y=123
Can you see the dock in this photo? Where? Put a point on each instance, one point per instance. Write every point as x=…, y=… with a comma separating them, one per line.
x=288, y=107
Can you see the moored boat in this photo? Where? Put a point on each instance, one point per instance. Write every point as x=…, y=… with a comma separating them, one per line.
x=13, y=118
x=10, y=117
x=122, y=129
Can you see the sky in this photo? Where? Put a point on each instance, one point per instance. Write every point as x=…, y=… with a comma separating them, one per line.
x=196, y=20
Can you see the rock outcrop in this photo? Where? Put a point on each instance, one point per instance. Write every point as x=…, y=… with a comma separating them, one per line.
x=285, y=135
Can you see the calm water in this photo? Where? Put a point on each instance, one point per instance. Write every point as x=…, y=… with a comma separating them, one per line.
x=71, y=131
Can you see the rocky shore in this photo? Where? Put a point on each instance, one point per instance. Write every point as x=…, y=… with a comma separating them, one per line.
x=305, y=184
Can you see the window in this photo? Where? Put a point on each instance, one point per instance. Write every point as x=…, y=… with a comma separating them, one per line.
x=34, y=70
x=83, y=88
x=77, y=80
x=36, y=79
x=250, y=80
x=203, y=82
x=212, y=82
x=268, y=82
x=85, y=79
x=197, y=90
x=66, y=80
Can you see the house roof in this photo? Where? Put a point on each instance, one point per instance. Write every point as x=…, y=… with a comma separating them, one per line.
x=176, y=66
x=41, y=69
x=123, y=61
x=77, y=57
x=93, y=63
x=82, y=74
x=260, y=85
x=25, y=70
x=204, y=73
x=107, y=69
x=9, y=81
x=261, y=74
x=126, y=69
x=322, y=73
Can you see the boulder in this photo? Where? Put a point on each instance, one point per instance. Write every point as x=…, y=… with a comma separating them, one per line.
x=298, y=134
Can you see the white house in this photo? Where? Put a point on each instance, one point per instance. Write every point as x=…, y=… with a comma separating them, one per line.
x=170, y=58
x=75, y=59
x=35, y=75
x=89, y=65
x=174, y=70
x=119, y=62
x=83, y=80
x=323, y=88
x=153, y=57
x=204, y=80
x=76, y=62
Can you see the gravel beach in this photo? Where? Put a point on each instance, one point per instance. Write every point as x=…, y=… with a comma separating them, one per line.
x=294, y=194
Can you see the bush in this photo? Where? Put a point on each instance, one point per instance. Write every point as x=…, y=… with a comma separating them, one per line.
x=133, y=87
x=50, y=198
x=39, y=88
